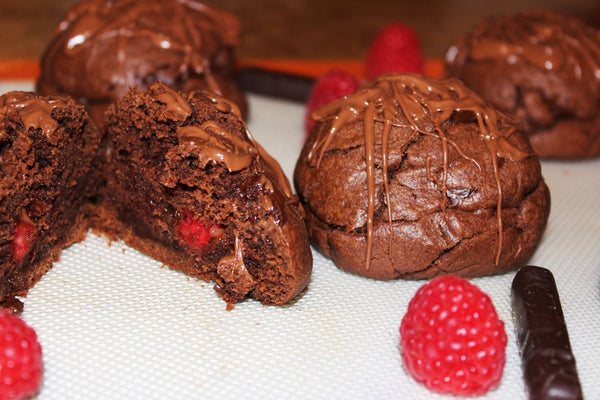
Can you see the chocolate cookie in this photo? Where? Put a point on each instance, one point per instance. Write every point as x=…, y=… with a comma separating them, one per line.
x=187, y=184
x=103, y=47
x=48, y=147
x=543, y=68
x=412, y=177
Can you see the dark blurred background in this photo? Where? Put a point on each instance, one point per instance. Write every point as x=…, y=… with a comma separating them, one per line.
x=331, y=29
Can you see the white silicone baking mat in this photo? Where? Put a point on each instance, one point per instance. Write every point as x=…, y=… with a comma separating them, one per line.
x=115, y=324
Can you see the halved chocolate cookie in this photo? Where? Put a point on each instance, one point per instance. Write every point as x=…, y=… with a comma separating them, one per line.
x=187, y=184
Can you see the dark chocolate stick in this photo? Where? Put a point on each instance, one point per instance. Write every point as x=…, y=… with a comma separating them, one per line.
x=274, y=83
x=548, y=363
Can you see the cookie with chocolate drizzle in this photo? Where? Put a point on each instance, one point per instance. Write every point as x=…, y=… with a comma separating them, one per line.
x=103, y=47
x=187, y=184
x=413, y=177
x=543, y=68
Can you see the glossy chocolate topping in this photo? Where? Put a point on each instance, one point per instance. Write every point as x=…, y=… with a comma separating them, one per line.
x=175, y=103
x=214, y=141
x=103, y=47
x=227, y=106
x=186, y=159
x=545, y=40
x=216, y=146
x=233, y=268
x=35, y=112
x=423, y=105
x=548, y=362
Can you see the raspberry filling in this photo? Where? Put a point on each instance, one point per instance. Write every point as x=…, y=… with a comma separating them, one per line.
x=24, y=236
x=197, y=233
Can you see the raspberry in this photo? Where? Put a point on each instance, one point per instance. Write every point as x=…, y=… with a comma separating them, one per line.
x=396, y=48
x=196, y=233
x=24, y=236
x=331, y=86
x=452, y=340
x=20, y=358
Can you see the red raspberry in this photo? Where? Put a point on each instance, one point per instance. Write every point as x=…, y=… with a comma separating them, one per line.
x=396, y=48
x=331, y=86
x=24, y=236
x=452, y=340
x=20, y=358
x=197, y=233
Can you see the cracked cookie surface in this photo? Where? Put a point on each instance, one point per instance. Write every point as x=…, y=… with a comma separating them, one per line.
x=541, y=67
x=413, y=177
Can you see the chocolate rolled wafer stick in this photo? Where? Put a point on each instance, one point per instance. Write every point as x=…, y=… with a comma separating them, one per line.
x=548, y=362
x=275, y=83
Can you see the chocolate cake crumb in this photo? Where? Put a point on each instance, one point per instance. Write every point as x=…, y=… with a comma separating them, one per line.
x=188, y=185
x=49, y=150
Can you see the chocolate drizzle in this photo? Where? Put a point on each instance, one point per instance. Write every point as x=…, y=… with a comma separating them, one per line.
x=185, y=32
x=545, y=40
x=226, y=106
x=424, y=106
x=175, y=103
x=35, y=112
x=232, y=268
x=217, y=143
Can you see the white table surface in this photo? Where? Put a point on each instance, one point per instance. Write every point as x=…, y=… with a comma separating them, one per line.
x=116, y=324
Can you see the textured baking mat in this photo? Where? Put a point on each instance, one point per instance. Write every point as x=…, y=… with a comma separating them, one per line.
x=116, y=324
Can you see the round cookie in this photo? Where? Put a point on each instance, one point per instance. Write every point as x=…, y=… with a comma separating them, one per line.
x=543, y=68
x=102, y=48
x=413, y=177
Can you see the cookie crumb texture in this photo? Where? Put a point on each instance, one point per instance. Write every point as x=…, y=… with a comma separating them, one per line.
x=187, y=184
x=543, y=68
x=413, y=177
x=48, y=153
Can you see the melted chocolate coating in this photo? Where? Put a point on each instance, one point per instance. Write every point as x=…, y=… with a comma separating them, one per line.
x=548, y=362
x=49, y=154
x=188, y=158
x=384, y=166
x=102, y=48
x=35, y=112
x=544, y=69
